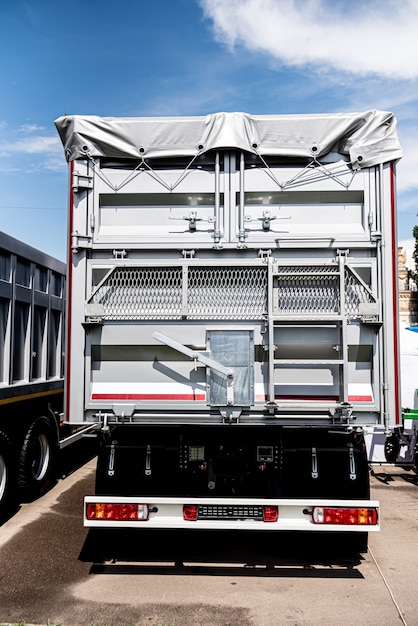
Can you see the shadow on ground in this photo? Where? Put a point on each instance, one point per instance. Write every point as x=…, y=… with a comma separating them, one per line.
x=220, y=553
x=387, y=477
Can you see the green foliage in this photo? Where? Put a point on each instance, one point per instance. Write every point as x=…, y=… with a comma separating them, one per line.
x=415, y=254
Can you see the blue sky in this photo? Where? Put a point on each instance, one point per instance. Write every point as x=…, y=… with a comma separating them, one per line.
x=190, y=57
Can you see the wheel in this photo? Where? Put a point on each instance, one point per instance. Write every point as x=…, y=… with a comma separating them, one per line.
x=7, y=474
x=392, y=448
x=37, y=458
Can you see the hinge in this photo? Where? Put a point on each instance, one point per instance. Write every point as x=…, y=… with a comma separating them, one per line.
x=120, y=254
x=342, y=253
x=242, y=235
x=92, y=321
x=80, y=181
x=79, y=241
x=264, y=254
x=188, y=254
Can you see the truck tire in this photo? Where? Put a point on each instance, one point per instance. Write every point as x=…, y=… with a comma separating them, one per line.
x=6, y=474
x=38, y=457
x=392, y=448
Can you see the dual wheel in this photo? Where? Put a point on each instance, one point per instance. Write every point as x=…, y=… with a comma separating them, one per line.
x=33, y=470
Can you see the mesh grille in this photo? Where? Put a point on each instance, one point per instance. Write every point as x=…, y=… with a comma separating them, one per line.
x=308, y=290
x=222, y=292
x=226, y=292
x=158, y=293
x=355, y=293
x=133, y=293
x=315, y=290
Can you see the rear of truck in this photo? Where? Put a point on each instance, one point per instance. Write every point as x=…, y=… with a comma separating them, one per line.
x=232, y=316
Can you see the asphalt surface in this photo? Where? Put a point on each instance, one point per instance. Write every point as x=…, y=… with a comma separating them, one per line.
x=51, y=570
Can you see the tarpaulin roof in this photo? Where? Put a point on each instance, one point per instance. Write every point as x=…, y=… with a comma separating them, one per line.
x=366, y=139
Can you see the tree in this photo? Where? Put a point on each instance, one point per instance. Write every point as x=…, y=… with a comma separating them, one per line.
x=414, y=275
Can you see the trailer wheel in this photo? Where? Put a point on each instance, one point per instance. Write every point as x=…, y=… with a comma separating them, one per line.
x=6, y=473
x=38, y=458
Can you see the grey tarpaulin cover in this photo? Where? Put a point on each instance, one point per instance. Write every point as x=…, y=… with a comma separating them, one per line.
x=366, y=139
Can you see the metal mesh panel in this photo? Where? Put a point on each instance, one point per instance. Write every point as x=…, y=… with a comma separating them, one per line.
x=135, y=293
x=308, y=290
x=157, y=293
x=355, y=294
x=316, y=290
x=223, y=292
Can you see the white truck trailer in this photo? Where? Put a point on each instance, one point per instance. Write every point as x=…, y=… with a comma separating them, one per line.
x=232, y=317
x=32, y=305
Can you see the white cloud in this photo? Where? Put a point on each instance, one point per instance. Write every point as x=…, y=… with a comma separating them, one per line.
x=31, y=145
x=30, y=128
x=378, y=37
x=26, y=149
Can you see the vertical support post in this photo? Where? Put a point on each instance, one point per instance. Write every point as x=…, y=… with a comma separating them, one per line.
x=241, y=211
x=217, y=234
x=271, y=346
x=343, y=329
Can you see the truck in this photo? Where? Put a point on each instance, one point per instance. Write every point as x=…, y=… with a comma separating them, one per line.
x=32, y=309
x=232, y=317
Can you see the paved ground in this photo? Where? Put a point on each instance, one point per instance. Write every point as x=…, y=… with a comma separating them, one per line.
x=46, y=576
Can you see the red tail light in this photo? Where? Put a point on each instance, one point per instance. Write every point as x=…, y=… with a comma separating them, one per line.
x=270, y=513
x=117, y=512
x=344, y=516
x=190, y=512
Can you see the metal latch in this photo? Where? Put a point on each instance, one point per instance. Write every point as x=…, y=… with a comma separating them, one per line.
x=192, y=218
x=148, y=462
x=266, y=219
x=314, y=469
x=352, y=462
x=111, y=466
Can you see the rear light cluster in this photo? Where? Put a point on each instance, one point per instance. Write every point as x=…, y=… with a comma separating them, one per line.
x=344, y=516
x=191, y=514
x=117, y=512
